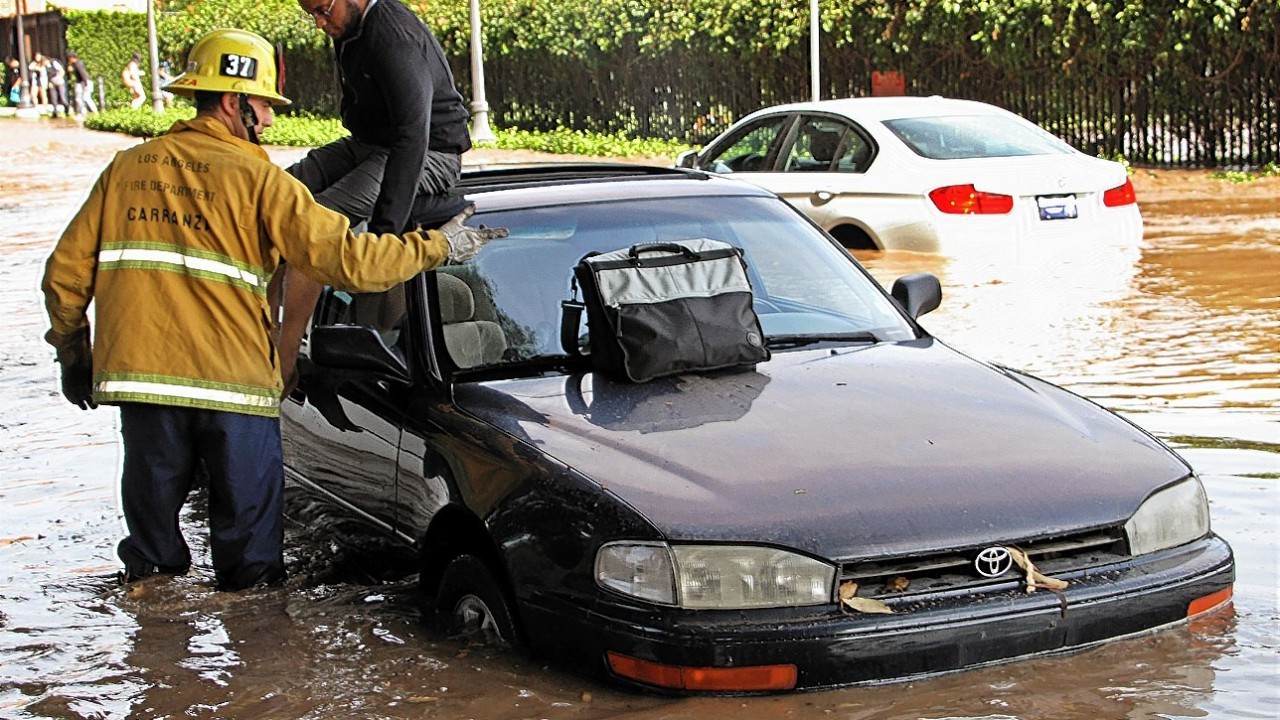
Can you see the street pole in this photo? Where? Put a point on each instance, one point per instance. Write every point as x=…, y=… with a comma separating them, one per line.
x=24, y=95
x=814, y=72
x=157, y=100
x=480, y=131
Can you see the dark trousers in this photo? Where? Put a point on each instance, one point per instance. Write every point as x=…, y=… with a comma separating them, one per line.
x=163, y=448
x=346, y=175
x=58, y=98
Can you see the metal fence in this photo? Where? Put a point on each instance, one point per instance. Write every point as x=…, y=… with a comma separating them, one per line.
x=1198, y=110
x=1215, y=114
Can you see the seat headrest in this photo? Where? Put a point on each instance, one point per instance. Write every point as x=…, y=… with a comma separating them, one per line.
x=822, y=144
x=384, y=310
x=457, y=304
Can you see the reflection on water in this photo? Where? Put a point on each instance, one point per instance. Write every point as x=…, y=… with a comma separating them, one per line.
x=1179, y=334
x=1182, y=333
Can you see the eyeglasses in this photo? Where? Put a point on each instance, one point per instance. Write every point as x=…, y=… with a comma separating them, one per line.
x=325, y=13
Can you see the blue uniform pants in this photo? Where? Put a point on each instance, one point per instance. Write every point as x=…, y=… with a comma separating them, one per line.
x=163, y=448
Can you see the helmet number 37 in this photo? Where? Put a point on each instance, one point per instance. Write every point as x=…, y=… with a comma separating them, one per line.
x=239, y=66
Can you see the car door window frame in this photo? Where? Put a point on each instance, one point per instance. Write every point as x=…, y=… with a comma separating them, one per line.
x=781, y=139
x=425, y=328
x=415, y=340
x=846, y=128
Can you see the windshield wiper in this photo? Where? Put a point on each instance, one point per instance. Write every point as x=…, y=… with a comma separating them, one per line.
x=527, y=367
x=795, y=340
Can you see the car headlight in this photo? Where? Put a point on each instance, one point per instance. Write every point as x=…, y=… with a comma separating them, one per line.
x=1171, y=517
x=722, y=577
x=639, y=569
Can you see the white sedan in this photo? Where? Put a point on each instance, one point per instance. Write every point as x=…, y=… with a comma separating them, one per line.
x=927, y=174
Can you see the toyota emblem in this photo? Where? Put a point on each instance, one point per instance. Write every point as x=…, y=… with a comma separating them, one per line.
x=993, y=562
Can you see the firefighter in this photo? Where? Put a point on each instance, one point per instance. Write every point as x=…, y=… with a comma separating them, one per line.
x=175, y=246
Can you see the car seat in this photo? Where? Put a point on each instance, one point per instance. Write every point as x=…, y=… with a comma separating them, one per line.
x=470, y=342
x=822, y=147
x=384, y=310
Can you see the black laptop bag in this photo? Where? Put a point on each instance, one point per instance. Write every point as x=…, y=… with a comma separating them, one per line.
x=658, y=309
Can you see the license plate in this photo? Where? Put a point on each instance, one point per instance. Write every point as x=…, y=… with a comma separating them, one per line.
x=1057, y=207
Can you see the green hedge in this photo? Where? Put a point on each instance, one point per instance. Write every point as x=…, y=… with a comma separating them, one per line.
x=1139, y=77
x=298, y=130
x=180, y=23
x=1003, y=32
x=105, y=40
x=1000, y=32
x=306, y=130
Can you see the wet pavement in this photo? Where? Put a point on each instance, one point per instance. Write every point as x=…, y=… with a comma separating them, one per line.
x=1180, y=334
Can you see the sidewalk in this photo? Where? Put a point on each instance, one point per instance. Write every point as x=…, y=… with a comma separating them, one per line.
x=47, y=131
x=27, y=131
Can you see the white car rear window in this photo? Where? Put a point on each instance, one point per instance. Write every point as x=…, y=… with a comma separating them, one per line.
x=956, y=137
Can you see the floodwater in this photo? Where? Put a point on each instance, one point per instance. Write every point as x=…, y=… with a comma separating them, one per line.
x=1181, y=334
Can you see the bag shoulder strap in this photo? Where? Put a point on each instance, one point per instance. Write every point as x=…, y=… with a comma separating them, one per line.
x=571, y=315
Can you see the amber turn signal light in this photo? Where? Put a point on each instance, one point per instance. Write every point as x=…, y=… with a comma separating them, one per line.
x=736, y=679
x=1208, y=602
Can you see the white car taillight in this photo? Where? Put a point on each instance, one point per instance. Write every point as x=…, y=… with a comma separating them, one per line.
x=1120, y=195
x=968, y=200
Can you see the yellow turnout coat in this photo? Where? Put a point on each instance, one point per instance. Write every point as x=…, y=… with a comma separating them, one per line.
x=176, y=245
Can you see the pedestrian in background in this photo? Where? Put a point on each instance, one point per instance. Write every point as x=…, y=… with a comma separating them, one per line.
x=38, y=74
x=13, y=81
x=165, y=76
x=408, y=129
x=131, y=76
x=82, y=87
x=176, y=256
x=57, y=73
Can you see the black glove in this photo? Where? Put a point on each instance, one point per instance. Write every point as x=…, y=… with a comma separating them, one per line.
x=465, y=241
x=76, y=359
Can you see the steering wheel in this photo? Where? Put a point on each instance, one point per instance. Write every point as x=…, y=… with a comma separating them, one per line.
x=747, y=163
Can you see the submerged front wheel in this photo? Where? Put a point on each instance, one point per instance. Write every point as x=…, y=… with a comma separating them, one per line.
x=478, y=607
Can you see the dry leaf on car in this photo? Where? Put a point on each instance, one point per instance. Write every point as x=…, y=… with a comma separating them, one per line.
x=1035, y=578
x=850, y=601
x=897, y=584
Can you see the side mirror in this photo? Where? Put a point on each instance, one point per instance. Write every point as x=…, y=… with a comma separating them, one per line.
x=917, y=293
x=358, y=349
x=687, y=159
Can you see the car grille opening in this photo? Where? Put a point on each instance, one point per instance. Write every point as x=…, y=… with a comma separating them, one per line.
x=955, y=572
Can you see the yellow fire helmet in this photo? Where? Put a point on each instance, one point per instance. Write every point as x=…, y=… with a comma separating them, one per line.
x=230, y=60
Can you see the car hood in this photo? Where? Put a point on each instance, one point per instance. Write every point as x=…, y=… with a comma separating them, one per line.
x=845, y=453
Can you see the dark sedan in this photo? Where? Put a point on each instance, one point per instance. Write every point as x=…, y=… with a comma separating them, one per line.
x=867, y=504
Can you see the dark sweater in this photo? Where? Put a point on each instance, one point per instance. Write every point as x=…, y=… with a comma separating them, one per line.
x=398, y=92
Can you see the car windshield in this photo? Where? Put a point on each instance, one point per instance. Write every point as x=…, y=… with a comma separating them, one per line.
x=805, y=288
x=957, y=137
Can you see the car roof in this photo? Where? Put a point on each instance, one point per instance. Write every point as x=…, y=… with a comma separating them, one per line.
x=546, y=184
x=884, y=108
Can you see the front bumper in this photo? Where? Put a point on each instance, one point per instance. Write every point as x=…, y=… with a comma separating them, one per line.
x=928, y=634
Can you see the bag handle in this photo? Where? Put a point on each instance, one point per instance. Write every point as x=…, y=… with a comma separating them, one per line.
x=570, y=320
x=662, y=247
